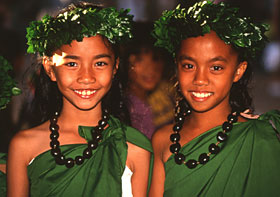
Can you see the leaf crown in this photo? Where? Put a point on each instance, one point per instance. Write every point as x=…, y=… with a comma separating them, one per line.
x=239, y=31
x=50, y=33
x=7, y=84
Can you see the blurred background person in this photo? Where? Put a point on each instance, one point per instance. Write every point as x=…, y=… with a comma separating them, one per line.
x=147, y=71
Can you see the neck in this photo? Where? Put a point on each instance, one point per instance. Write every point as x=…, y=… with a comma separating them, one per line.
x=207, y=120
x=73, y=116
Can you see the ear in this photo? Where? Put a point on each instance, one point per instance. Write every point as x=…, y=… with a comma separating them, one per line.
x=49, y=68
x=116, y=67
x=240, y=71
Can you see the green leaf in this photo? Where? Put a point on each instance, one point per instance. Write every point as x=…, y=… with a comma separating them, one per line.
x=7, y=84
x=51, y=33
x=199, y=19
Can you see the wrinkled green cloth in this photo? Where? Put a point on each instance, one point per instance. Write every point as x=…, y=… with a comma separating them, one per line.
x=98, y=176
x=248, y=164
x=3, y=185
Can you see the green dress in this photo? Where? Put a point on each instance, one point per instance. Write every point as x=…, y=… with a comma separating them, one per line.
x=247, y=165
x=98, y=176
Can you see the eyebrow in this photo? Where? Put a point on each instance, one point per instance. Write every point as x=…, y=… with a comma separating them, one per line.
x=185, y=57
x=71, y=57
x=102, y=56
x=95, y=57
x=218, y=58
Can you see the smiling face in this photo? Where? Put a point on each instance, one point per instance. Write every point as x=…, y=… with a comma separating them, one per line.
x=83, y=72
x=207, y=68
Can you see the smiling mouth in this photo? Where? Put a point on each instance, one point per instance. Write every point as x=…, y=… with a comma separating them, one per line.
x=85, y=93
x=202, y=95
x=148, y=79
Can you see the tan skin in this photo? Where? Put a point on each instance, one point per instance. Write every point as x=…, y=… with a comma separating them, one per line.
x=75, y=68
x=207, y=68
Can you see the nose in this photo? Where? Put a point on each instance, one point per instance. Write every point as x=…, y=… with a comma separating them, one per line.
x=153, y=67
x=201, y=77
x=86, y=75
x=150, y=69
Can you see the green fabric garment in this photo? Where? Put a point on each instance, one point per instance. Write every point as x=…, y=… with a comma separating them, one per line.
x=3, y=186
x=98, y=176
x=247, y=165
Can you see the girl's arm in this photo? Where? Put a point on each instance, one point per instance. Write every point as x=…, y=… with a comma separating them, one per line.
x=138, y=161
x=158, y=177
x=17, y=179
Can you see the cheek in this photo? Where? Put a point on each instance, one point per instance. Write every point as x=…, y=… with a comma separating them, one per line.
x=139, y=68
x=135, y=73
x=184, y=78
x=223, y=85
x=158, y=75
x=105, y=79
x=64, y=78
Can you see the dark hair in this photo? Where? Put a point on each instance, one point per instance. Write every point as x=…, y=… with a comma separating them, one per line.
x=48, y=98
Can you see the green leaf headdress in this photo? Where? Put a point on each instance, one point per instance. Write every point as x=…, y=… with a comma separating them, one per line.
x=181, y=23
x=50, y=33
x=7, y=84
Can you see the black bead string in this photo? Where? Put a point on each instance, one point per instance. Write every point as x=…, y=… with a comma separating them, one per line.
x=175, y=137
x=87, y=153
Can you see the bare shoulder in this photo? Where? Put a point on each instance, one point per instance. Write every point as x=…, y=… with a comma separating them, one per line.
x=161, y=142
x=30, y=135
x=134, y=149
x=161, y=136
x=30, y=142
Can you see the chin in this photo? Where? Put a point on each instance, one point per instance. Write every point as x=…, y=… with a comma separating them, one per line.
x=201, y=109
x=85, y=107
x=150, y=88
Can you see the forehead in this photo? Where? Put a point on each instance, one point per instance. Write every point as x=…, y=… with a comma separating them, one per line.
x=206, y=46
x=89, y=46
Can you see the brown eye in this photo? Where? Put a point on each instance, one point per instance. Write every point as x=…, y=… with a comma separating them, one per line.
x=188, y=66
x=216, y=68
x=71, y=64
x=100, y=64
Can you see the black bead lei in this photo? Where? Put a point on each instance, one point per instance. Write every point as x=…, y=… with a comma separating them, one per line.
x=175, y=147
x=92, y=145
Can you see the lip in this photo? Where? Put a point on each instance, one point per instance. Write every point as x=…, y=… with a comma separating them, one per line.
x=85, y=93
x=201, y=96
x=148, y=78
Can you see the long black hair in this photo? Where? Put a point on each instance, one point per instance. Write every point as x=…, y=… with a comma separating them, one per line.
x=48, y=98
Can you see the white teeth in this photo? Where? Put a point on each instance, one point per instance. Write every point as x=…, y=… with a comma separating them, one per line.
x=85, y=92
x=201, y=95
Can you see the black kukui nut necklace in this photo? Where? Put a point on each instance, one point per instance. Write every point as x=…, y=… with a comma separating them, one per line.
x=87, y=153
x=213, y=148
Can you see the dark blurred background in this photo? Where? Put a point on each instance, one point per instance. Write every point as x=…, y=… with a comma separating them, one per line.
x=15, y=15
